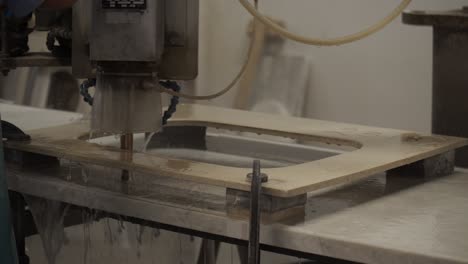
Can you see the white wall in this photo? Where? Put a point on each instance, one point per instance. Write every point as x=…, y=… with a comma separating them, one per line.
x=384, y=80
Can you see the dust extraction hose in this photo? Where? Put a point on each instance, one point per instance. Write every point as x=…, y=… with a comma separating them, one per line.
x=252, y=9
x=325, y=42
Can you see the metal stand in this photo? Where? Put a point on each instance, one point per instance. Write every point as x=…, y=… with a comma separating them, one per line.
x=257, y=178
x=450, y=81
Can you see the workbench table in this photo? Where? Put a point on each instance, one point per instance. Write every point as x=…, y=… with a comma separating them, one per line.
x=383, y=219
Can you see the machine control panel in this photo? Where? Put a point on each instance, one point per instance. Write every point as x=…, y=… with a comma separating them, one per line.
x=124, y=4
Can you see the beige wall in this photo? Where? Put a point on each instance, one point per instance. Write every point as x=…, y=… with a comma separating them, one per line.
x=384, y=80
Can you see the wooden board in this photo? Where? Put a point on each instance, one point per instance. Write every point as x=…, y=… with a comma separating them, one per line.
x=377, y=150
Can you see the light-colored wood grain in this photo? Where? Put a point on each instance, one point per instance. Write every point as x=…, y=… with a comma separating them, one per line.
x=377, y=150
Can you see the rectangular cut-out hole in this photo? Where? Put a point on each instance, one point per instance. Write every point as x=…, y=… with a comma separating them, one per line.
x=228, y=148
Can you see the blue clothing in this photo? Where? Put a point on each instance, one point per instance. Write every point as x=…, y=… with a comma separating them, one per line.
x=20, y=8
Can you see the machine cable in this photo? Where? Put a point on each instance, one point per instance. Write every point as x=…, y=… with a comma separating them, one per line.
x=230, y=85
x=61, y=33
x=253, y=10
x=217, y=94
x=63, y=36
x=84, y=90
x=174, y=86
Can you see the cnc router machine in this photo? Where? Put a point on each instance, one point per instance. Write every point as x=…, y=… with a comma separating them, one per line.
x=320, y=204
